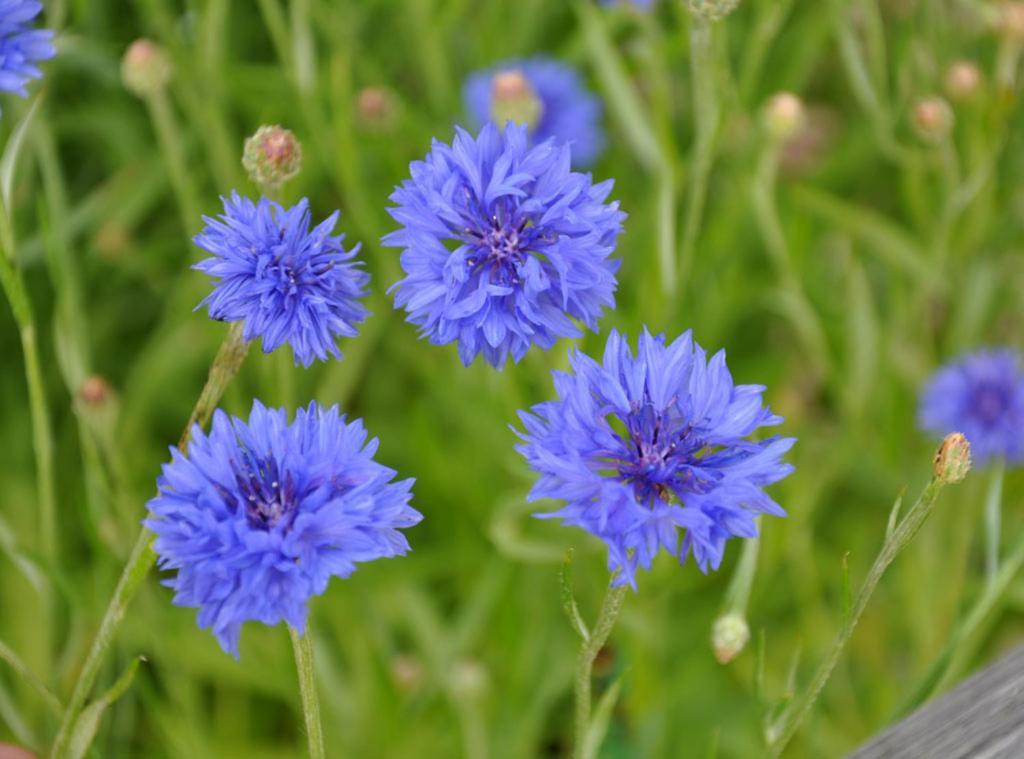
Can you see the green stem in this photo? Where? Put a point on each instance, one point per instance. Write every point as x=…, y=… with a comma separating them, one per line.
x=783, y=730
x=737, y=595
x=169, y=135
x=993, y=520
x=706, y=115
x=302, y=645
x=225, y=366
x=589, y=648
x=13, y=284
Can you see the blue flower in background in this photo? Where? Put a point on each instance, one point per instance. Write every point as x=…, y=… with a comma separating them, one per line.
x=982, y=396
x=287, y=283
x=503, y=245
x=643, y=447
x=21, y=46
x=545, y=93
x=259, y=515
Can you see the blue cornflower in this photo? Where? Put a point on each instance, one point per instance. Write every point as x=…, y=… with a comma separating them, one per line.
x=504, y=245
x=259, y=515
x=641, y=447
x=982, y=396
x=21, y=46
x=288, y=284
x=546, y=94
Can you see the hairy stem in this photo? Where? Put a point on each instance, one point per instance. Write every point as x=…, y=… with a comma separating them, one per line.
x=783, y=729
x=225, y=366
x=589, y=649
x=302, y=645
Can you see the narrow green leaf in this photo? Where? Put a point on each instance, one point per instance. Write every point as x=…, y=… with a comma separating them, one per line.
x=572, y=611
x=894, y=517
x=601, y=719
x=885, y=237
x=89, y=720
x=847, y=593
x=9, y=161
x=623, y=100
x=8, y=655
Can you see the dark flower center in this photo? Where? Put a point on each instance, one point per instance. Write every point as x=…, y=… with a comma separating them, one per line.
x=268, y=498
x=500, y=249
x=991, y=402
x=660, y=454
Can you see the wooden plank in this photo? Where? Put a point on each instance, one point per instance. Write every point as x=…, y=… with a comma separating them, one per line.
x=982, y=718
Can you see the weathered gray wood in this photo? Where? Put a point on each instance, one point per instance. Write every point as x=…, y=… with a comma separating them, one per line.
x=982, y=718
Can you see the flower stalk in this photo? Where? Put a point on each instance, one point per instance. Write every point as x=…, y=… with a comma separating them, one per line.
x=589, y=648
x=993, y=519
x=225, y=366
x=781, y=731
x=302, y=645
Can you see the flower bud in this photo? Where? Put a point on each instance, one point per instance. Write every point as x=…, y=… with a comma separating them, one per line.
x=95, y=392
x=963, y=80
x=10, y=751
x=145, y=68
x=514, y=99
x=272, y=156
x=783, y=116
x=468, y=679
x=712, y=9
x=953, y=459
x=376, y=107
x=407, y=673
x=1009, y=21
x=932, y=119
x=729, y=636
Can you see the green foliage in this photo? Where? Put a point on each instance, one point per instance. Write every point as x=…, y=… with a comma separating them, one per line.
x=838, y=269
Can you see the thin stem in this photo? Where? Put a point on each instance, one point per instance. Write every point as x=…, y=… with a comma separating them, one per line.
x=706, y=116
x=225, y=366
x=993, y=520
x=42, y=441
x=737, y=595
x=169, y=135
x=302, y=645
x=783, y=730
x=589, y=649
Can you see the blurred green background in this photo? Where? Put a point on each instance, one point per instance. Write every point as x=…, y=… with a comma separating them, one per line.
x=840, y=283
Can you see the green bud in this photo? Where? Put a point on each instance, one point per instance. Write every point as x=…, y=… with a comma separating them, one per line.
x=932, y=119
x=513, y=99
x=783, y=116
x=145, y=68
x=953, y=459
x=729, y=636
x=272, y=156
x=963, y=80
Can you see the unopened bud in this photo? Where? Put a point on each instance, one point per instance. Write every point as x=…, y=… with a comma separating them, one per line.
x=729, y=636
x=272, y=156
x=784, y=115
x=376, y=107
x=1009, y=21
x=95, y=392
x=963, y=79
x=468, y=678
x=953, y=459
x=932, y=119
x=712, y=9
x=145, y=68
x=406, y=673
x=10, y=751
x=514, y=99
